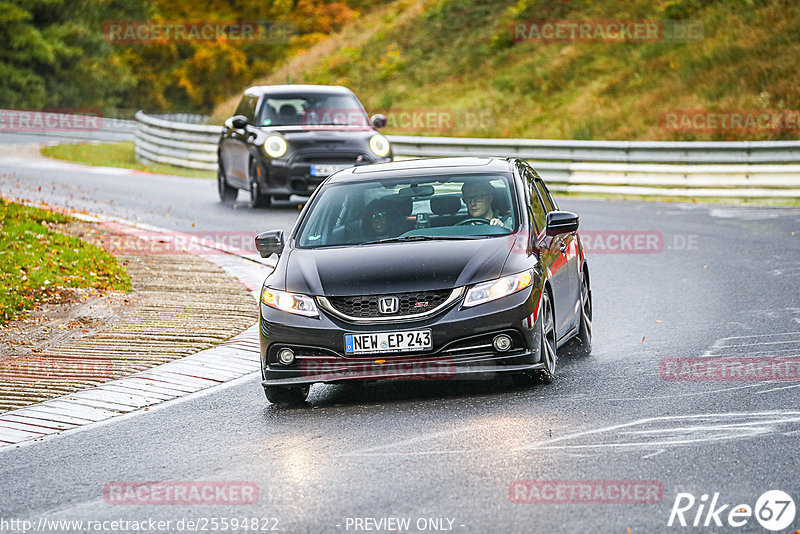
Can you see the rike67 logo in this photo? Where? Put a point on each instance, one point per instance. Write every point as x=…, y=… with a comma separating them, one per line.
x=774, y=510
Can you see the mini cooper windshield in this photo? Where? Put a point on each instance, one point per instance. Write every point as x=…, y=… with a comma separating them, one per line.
x=312, y=109
x=414, y=208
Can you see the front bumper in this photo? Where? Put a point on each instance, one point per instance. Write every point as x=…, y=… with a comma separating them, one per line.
x=461, y=338
x=292, y=175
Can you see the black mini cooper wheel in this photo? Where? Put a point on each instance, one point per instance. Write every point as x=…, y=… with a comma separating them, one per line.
x=226, y=192
x=547, y=348
x=257, y=198
x=287, y=396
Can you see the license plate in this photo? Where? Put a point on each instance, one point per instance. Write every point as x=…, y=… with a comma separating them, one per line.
x=410, y=340
x=326, y=170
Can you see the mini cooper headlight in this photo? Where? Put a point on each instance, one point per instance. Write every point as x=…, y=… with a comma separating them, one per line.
x=379, y=145
x=275, y=146
x=289, y=302
x=499, y=288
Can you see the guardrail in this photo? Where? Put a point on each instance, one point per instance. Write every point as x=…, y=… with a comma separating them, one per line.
x=60, y=124
x=682, y=169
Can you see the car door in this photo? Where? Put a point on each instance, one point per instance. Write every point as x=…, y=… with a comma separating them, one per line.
x=235, y=148
x=567, y=245
x=551, y=255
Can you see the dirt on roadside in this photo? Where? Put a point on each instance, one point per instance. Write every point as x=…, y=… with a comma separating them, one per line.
x=180, y=304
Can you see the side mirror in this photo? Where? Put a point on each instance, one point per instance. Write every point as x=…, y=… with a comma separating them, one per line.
x=269, y=242
x=378, y=121
x=239, y=122
x=561, y=222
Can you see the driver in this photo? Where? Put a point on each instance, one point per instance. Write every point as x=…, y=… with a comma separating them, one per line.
x=381, y=220
x=478, y=196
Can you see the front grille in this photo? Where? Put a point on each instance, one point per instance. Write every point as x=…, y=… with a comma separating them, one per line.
x=330, y=158
x=365, y=306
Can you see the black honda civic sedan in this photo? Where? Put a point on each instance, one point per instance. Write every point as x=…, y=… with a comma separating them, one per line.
x=423, y=269
x=286, y=139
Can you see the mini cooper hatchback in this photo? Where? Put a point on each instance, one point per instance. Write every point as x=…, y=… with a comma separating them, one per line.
x=286, y=139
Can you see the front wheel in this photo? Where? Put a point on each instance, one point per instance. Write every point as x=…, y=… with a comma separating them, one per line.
x=257, y=198
x=226, y=192
x=583, y=340
x=547, y=348
x=287, y=396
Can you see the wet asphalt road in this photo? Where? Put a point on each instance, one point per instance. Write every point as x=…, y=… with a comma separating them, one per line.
x=725, y=282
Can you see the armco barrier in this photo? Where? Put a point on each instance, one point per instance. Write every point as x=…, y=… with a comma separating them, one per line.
x=684, y=169
x=64, y=124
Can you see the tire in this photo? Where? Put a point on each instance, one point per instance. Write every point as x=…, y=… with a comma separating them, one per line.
x=583, y=340
x=226, y=192
x=547, y=348
x=257, y=199
x=287, y=396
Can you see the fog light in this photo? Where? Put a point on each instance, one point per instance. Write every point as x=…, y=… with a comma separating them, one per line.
x=502, y=342
x=286, y=356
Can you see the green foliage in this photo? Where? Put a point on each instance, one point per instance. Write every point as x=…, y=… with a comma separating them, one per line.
x=458, y=55
x=56, y=53
x=35, y=260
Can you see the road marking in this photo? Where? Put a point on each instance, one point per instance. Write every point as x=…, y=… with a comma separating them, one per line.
x=776, y=389
x=673, y=396
x=762, y=423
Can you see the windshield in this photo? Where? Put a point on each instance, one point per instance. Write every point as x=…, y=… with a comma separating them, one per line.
x=312, y=110
x=472, y=206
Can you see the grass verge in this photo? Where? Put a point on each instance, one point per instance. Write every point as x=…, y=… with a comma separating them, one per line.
x=36, y=262
x=116, y=155
x=464, y=63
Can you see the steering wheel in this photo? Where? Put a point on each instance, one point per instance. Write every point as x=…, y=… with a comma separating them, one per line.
x=473, y=221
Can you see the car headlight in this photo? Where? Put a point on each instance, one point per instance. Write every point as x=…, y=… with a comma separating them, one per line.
x=379, y=145
x=499, y=288
x=289, y=302
x=275, y=146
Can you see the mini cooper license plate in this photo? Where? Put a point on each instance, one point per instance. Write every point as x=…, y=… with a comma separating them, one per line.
x=410, y=340
x=326, y=170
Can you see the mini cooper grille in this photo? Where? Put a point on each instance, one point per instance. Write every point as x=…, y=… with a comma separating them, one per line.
x=330, y=159
x=410, y=303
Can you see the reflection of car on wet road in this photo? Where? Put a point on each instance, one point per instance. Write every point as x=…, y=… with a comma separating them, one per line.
x=439, y=289
x=286, y=139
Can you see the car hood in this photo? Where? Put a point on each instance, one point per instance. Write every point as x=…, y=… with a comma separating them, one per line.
x=396, y=267
x=300, y=136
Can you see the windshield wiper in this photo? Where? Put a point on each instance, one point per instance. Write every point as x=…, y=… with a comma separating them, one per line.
x=400, y=239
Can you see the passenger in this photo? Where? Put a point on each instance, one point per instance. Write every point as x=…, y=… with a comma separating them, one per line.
x=381, y=220
x=478, y=195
